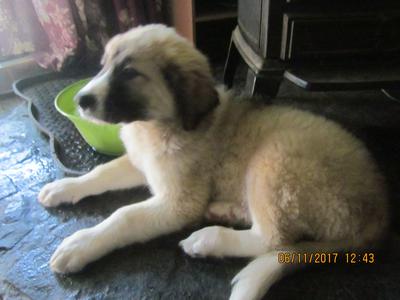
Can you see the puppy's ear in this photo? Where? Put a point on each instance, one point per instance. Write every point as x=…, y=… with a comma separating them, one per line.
x=194, y=93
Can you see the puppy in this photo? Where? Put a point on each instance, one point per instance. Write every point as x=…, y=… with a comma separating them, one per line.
x=285, y=173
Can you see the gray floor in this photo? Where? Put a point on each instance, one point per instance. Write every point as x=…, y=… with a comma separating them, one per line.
x=30, y=233
x=8, y=102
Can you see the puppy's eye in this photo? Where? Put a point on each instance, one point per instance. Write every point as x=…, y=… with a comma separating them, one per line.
x=129, y=73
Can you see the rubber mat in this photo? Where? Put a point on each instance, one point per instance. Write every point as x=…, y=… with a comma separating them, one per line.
x=71, y=152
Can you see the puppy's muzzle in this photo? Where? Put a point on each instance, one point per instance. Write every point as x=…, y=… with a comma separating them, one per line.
x=86, y=101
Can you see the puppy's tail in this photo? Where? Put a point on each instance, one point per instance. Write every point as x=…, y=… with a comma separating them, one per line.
x=256, y=278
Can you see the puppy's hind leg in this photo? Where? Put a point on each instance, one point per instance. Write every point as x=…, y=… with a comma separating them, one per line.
x=117, y=174
x=221, y=241
x=254, y=281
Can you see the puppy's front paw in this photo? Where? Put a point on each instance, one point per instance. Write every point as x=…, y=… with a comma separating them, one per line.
x=65, y=190
x=75, y=252
x=205, y=242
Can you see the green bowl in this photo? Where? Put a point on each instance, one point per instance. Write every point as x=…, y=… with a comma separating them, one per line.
x=104, y=138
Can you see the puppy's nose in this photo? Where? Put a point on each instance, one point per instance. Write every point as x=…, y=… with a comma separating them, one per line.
x=86, y=101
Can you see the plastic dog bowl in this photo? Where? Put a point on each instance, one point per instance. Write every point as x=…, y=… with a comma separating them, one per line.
x=104, y=138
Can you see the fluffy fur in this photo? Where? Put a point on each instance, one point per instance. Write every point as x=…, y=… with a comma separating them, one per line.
x=286, y=174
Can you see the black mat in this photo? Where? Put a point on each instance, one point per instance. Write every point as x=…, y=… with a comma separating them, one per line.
x=69, y=149
x=29, y=234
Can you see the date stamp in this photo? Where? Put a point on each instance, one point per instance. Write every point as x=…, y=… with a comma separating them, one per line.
x=326, y=257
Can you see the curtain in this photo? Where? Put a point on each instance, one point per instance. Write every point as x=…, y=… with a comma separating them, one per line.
x=68, y=33
x=20, y=30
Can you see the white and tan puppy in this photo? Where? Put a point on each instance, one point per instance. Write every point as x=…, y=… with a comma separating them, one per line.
x=285, y=173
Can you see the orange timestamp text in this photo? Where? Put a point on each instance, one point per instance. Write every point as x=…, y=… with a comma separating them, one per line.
x=325, y=257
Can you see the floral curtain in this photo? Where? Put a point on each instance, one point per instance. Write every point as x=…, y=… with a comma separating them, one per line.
x=18, y=37
x=64, y=33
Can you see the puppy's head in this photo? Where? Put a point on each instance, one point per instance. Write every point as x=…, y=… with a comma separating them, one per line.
x=150, y=72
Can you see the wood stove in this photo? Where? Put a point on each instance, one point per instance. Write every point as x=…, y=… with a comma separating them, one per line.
x=319, y=45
